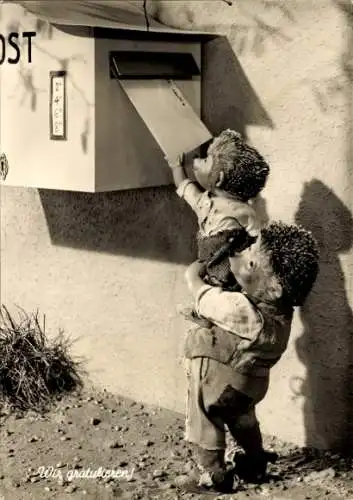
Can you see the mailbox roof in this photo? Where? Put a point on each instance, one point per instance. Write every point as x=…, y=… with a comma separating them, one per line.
x=111, y=14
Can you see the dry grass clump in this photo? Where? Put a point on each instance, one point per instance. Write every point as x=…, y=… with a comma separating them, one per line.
x=34, y=371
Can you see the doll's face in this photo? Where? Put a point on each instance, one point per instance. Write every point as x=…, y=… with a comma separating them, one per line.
x=253, y=272
x=247, y=269
x=202, y=170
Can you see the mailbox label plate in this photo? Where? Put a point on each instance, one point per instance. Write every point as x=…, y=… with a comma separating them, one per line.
x=58, y=105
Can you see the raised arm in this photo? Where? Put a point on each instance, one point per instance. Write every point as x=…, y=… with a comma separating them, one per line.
x=193, y=277
x=187, y=189
x=177, y=168
x=229, y=310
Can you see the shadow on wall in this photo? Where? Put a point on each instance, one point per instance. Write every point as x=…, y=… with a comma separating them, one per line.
x=149, y=223
x=326, y=345
x=152, y=223
x=228, y=99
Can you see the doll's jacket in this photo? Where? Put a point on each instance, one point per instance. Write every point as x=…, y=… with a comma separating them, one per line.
x=248, y=335
x=217, y=213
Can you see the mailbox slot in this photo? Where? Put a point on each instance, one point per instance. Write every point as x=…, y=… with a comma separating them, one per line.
x=126, y=64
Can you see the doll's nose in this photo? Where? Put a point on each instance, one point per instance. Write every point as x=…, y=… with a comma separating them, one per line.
x=196, y=162
x=251, y=265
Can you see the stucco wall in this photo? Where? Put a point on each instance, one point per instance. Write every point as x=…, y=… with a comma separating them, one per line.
x=109, y=268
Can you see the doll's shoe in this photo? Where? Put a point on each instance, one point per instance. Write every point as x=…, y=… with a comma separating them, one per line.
x=208, y=483
x=253, y=468
x=209, y=474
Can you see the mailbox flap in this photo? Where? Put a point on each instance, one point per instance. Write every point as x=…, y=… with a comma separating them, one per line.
x=168, y=115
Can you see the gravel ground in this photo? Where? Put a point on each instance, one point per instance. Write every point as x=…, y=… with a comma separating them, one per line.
x=67, y=453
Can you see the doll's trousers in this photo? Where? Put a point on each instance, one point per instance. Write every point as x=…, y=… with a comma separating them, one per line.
x=214, y=402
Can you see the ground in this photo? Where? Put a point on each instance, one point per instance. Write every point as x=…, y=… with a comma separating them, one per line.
x=96, y=433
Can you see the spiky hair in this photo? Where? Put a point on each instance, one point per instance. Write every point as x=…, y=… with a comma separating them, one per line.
x=245, y=170
x=294, y=257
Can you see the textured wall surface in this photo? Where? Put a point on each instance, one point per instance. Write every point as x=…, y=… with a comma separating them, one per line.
x=109, y=268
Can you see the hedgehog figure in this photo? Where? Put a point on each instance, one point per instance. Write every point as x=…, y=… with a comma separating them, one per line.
x=232, y=174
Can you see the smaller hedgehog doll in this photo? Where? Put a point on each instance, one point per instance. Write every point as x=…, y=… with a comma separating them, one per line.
x=232, y=174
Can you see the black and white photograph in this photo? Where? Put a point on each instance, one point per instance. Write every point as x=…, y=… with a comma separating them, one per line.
x=176, y=263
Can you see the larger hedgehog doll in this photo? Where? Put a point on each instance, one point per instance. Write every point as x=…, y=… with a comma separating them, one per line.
x=226, y=383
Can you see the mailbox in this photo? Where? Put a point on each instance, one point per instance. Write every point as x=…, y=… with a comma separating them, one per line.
x=101, y=103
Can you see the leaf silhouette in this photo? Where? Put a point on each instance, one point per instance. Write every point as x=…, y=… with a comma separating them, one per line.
x=272, y=31
x=33, y=101
x=64, y=63
x=347, y=67
x=334, y=86
x=84, y=142
x=242, y=44
x=287, y=12
x=40, y=25
x=13, y=26
x=190, y=16
x=85, y=135
x=320, y=99
x=258, y=43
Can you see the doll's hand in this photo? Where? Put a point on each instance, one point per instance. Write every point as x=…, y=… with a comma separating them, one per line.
x=203, y=270
x=175, y=162
x=177, y=169
x=197, y=268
